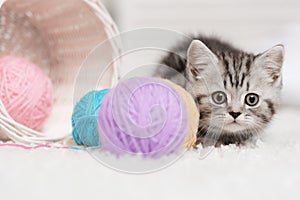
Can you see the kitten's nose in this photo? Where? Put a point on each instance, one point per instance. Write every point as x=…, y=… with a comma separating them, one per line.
x=235, y=114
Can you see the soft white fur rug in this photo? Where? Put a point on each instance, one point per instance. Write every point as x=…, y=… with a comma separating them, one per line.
x=269, y=171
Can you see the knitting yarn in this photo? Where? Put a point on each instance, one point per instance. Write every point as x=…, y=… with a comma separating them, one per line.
x=193, y=114
x=26, y=92
x=144, y=116
x=85, y=118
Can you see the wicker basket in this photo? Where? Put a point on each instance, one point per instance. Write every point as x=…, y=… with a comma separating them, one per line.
x=56, y=35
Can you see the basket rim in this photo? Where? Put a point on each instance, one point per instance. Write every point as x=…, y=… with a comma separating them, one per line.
x=21, y=134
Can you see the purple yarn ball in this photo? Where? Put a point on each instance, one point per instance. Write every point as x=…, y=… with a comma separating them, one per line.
x=143, y=116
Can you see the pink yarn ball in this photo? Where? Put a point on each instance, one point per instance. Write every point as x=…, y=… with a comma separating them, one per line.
x=25, y=91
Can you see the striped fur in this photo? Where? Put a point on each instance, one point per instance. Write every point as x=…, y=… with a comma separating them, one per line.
x=209, y=65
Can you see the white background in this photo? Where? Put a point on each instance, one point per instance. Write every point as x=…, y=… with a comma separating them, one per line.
x=253, y=25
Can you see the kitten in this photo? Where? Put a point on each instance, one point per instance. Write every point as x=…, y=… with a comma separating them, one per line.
x=237, y=93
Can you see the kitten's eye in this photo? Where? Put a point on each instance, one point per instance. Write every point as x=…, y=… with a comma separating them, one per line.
x=251, y=99
x=219, y=97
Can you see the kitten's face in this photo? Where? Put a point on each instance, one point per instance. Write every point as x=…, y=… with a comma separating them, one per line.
x=236, y=93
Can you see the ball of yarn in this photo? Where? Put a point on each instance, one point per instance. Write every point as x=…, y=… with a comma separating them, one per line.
x=85, y=118
x=193, y=115
x=143, y=116
x=25, y=91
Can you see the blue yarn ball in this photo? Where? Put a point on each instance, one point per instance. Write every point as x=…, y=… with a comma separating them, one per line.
x=85, y=118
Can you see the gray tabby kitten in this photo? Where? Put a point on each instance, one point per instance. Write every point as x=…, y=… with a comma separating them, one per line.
x=237, y=93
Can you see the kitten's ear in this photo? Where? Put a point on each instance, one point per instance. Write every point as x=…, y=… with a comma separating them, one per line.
x=271, y=62
x=199, y=58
